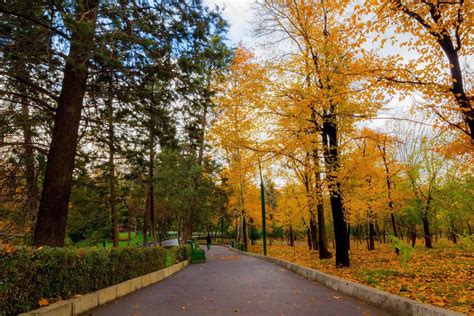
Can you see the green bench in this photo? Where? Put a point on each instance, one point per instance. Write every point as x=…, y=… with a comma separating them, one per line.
x=197, y=255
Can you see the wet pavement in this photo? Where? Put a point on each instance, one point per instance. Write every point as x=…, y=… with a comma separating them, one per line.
x=233, y=284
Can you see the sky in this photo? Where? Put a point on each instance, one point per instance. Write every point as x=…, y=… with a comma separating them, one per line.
x=239, y=15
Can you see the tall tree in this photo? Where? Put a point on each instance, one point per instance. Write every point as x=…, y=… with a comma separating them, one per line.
x=52, y=214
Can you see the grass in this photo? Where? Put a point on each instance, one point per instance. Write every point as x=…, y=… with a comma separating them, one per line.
x=442, y=276
x=135, y=240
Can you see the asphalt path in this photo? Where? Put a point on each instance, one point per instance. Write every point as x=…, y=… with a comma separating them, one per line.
x=233, y=284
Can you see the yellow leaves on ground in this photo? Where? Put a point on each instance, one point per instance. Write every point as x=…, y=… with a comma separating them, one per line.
x=43, y=302
x=441, y=276
x=9, y=248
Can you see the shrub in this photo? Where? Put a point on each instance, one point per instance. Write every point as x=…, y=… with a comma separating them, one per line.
x=28, y=275
x=179, y=253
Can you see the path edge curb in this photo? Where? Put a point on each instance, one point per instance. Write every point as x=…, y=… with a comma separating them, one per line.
x=387, y=302
x=81, y=304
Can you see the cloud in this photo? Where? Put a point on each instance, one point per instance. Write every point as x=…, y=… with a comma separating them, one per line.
x=239, y=14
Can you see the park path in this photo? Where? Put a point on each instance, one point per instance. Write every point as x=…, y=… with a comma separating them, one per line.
x=233, y=284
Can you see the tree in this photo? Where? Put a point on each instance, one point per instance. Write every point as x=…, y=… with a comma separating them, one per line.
x=238, y=96
x=327, y=50
x=436, y=28
x=52, y=214
x=424, y=169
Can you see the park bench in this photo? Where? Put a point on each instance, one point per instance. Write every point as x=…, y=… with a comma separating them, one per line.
x=197, y=255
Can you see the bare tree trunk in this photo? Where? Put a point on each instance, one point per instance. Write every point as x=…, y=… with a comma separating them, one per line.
x=349, y=236
x=426, y=224
x=292, y=240
x=457, y=88
x=331, y=156
x=310, y=244
x=324, y=252
x=113, y=192
x=371, y=236
x=50, y=227
x=413, y=235
x=151, y=193
x=145, y=225
x=245, y=239
x=31, y=203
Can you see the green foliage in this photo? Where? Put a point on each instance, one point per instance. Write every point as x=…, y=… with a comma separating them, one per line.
x=30, y=274
x=375, y=277
x=405, y=251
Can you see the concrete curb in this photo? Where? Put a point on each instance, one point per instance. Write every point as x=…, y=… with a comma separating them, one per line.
x=387, y=302
x=83, y=303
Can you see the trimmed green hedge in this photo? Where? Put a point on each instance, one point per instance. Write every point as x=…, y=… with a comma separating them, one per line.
x=28, y=275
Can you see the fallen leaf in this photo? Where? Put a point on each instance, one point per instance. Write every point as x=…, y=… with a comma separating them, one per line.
x=43, y=302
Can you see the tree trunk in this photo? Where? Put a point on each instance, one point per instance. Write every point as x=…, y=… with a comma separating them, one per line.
x=31, y=203
x=413, y=235
x=50, y=228
x=245, y=239
x=378, y=231
x=113, y=192
x=292, y=240
x=371, y=236
x=330, y=145
x=453, y=236
x=457, y=88
x=349, y=236
x=324, y=252
x=151, y=193
x=314, y=233
x=310, y=244
x=426, y=227
x=145, y=225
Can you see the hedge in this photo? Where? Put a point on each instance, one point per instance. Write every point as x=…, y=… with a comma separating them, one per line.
x=28, y=275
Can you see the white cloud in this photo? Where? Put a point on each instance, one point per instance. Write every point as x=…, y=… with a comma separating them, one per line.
x=239, y=15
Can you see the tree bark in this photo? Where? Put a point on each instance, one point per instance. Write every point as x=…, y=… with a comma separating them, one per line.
x=324, y=252
x=245, y=239
x=413, y=235
x=113, y=191
x=292, y=240
x=388, y=180
x=31, y=203
x=151, y=193
x=371, y=236
x=50, y=227
x=457, y=88
x=330, y=147
x=314, y=233
x=426, y=223
x=310, y=244
x=349, y=236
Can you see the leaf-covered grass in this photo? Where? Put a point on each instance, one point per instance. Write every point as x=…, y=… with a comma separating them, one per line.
x=442, y=276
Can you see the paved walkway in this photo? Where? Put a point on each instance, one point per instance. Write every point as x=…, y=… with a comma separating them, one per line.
x=233, y=284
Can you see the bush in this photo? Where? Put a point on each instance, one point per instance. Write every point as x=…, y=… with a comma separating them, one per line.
x=28, y=275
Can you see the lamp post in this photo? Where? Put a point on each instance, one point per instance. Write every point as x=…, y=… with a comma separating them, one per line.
x=264, y=224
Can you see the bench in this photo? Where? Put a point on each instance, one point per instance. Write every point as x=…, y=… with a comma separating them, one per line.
x=197, y=255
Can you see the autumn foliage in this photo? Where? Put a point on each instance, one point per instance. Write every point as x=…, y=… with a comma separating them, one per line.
x=308, y=114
